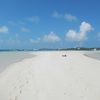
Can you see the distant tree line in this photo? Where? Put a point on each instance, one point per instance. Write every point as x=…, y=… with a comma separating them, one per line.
x=49, y=49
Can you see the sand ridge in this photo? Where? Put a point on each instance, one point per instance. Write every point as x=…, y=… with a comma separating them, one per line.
x=50, y=76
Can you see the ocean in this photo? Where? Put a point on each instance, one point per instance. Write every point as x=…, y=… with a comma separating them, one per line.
x=7, y=58
x=93, y=54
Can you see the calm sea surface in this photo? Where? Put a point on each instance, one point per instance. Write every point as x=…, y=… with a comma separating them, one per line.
x=7, y=58
x=93, y=54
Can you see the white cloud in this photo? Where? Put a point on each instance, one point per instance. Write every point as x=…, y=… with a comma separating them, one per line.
x=51, y=37
x=33, y=19
x=67, y=17
x=70, y=17
x=81, y=35
x=3, y=29
x=23, y=29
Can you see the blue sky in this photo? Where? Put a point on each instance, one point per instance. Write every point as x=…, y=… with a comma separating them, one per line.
x=27, y=24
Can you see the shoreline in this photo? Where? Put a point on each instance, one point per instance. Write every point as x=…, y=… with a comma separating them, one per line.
x=94, y=55
x=14, y=57
x=89, y=56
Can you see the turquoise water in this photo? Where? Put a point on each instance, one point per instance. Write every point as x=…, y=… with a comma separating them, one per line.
x=7, y=58
x=93, y=54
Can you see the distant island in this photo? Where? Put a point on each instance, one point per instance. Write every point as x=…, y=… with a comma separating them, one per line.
x=51, y=49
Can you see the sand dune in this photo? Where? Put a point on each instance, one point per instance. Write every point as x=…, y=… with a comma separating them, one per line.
x=50, y=76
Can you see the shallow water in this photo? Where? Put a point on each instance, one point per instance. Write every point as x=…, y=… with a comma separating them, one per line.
x=93, y=54
x=7, y=58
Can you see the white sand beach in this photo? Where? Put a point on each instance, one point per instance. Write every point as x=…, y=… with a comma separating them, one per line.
x=50, y=76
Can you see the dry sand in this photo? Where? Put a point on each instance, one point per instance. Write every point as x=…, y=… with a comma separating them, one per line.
x=49, y=76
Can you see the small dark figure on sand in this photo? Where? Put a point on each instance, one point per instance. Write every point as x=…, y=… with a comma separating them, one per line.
x=64, y=55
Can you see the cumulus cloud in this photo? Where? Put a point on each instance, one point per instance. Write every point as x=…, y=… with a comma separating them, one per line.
x=67, y=17
x=3, y=29
x=81, y=35
x=51, y=37
x=70, y=17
